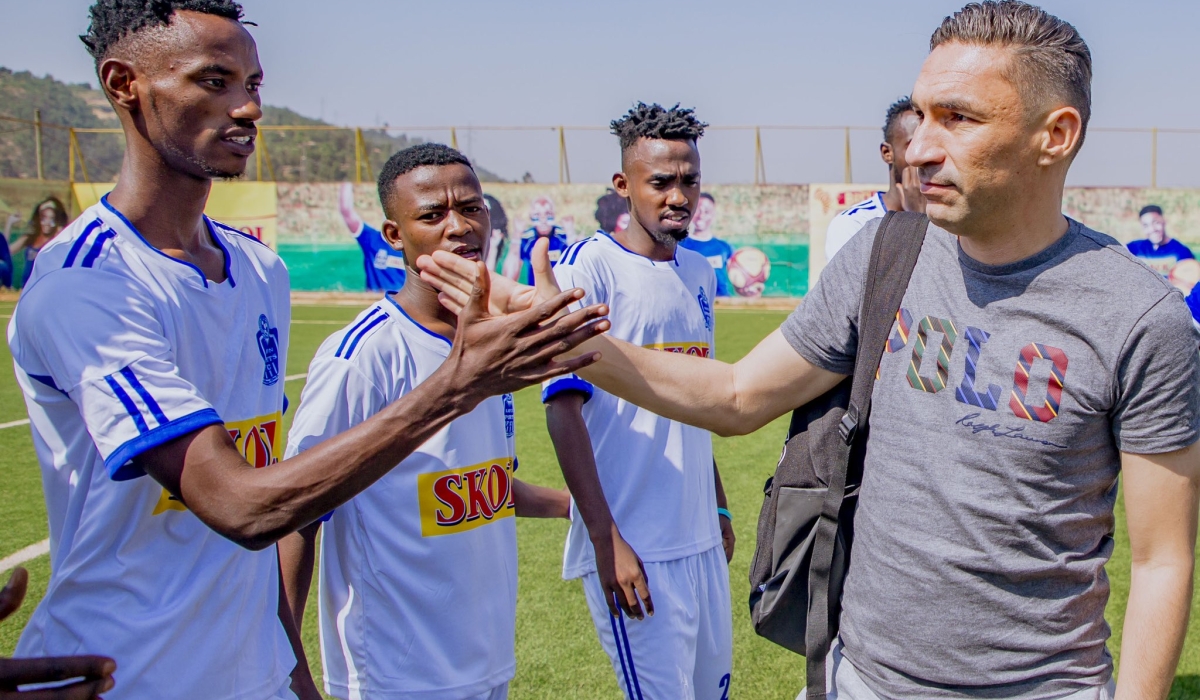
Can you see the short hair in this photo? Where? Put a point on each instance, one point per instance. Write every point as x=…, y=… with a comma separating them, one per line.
x=709, y=197
x=113, y=20
x=654, y=121
x=1150, y=209
x=413, y=157
x=894, y=112
x=1049, y=54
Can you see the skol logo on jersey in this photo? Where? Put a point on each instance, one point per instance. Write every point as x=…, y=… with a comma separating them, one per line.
x=458, y=500
x=257, y=439
x=698, y=349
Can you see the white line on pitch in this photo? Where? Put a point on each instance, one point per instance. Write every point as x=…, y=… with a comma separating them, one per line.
x=14, y=424
x=292, y=377
x=30, y=553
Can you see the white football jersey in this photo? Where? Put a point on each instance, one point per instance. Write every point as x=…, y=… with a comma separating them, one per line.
x=418, y=577
x=657, y=474
x=119, y=348
x=849, y=222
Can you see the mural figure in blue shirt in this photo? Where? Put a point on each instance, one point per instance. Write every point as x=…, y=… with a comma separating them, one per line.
x=382, y=264
x=701, y=240
x=1158, y=250
x=541, y=219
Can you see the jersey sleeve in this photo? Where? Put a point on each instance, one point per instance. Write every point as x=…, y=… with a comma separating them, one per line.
x=366, y=238
x=839, y=233
x=573, y=271
x=336, y=397
x=1158, y=382
x=105, y=348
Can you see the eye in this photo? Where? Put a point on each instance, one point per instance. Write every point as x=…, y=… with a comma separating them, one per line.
x=472, y=209
x=956, y=117
x=217, y=83
x=254, y=87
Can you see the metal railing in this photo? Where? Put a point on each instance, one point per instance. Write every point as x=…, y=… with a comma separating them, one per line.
x=362, y=172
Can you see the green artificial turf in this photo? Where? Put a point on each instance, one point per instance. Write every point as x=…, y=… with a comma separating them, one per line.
x=557, y=652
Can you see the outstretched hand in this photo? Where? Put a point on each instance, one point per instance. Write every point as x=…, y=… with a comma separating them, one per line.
x=94, y=672
x=454, y=277
x=498, y=354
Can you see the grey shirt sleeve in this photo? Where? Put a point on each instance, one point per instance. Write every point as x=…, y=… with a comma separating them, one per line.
x=824, y=327
x=1157, y=405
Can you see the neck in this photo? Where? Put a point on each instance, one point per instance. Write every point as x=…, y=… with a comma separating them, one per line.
x=166, y=206
x=420, y=301
x=1022, y=227
x=892, y=199
x=639, y=240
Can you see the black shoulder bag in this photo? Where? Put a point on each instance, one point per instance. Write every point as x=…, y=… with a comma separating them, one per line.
x=806, y=526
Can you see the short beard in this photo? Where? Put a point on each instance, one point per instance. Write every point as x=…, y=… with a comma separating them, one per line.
x=669, y=237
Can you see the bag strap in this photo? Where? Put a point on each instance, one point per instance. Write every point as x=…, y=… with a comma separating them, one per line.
x=893, y=257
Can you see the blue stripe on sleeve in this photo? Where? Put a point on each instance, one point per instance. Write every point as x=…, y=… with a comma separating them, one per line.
x=570, y=383
x=78, y=244
x=130, y=406
x=94, y=252
x=350, y=350
x=146, y=397
x=354, y=328
x=575, y=254
x=119, y=464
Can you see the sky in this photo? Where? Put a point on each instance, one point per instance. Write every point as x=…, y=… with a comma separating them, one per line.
x=751, y=62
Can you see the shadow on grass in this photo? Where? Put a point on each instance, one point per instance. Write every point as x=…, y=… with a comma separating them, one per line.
x=1185, y=687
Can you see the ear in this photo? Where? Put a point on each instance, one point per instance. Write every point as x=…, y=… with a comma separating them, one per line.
x=1060, y=136
x=885, y=151
x=391, y=234
x=621, y=184
x=118, y=80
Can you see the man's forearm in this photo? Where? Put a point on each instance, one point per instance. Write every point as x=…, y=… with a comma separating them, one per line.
x=297, y=558
x=256, y=507
x=1156, y=619
x=573, y=446
x=540, y=501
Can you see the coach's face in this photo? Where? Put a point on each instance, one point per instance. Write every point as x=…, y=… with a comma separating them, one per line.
x=661, y=180
x=438, y=207
x=192, y=88
x=980, y=150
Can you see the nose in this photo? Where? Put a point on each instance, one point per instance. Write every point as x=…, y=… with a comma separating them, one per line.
x=676, y=197
x=456, y=225
x=249, y=110
x=923, y=150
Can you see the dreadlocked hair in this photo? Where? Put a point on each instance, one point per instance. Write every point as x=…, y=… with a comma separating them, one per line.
x=656, y=122
x=113, y=20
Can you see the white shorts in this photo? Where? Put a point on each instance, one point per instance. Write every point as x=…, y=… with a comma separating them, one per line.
x=683, y=652
x=500, y=692
x=843, y=682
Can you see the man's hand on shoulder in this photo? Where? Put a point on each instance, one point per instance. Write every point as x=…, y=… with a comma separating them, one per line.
x=94, y=673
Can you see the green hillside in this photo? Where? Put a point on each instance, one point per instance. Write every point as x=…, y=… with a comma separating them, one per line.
x=298, y=156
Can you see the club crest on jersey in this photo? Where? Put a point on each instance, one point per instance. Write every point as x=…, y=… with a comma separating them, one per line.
x=706, y=309
x=458, y=500
x=256, y=439
x=510, y=425
x=268, y=347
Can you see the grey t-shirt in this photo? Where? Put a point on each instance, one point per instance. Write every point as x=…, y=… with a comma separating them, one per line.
x=1004, y=398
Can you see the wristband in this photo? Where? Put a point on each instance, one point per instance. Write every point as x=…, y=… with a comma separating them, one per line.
x=726, y=513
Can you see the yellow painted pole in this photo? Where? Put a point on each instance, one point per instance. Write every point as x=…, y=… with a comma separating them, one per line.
x=266, y=155
x=849, y=174
x=70, y=155
x=358, y=144
x=82, y=162
x=564, y=167
x=37, y=142
x=258, y=148
x=760, y=168
x=453, y=138
x=1154, y=157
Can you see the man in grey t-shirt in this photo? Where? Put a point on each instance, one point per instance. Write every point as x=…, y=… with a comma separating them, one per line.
x=1033, y=361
